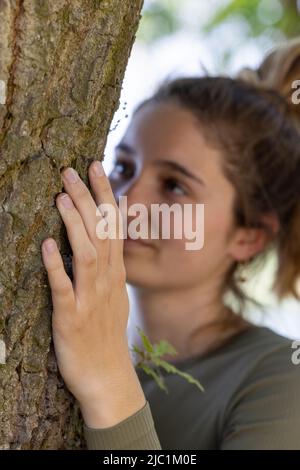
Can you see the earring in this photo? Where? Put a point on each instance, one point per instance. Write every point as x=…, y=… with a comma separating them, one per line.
x=242, y=276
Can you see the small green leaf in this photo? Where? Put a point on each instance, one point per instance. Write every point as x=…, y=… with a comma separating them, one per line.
x=159, y=380
x=163, y=347
x=146, y=342
x=171, y=369
x=136, y=349
x=154, y=353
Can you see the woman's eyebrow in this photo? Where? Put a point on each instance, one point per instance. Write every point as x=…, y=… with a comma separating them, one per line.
x=177, y=167
x=170, y=163
x=125, y=148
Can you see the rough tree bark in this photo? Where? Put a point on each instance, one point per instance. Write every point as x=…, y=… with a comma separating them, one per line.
x=61, y=68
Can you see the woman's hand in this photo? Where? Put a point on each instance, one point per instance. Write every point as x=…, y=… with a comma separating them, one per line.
x=90, y=316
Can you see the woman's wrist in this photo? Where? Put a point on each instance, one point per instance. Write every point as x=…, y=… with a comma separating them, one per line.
x=121, y=399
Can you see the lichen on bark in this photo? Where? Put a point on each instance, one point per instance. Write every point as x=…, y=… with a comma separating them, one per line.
x=62, y=63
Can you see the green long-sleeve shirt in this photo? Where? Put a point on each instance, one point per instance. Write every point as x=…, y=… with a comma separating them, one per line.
x=251, y=401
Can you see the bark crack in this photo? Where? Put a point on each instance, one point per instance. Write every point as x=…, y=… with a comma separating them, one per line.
x=10, y=88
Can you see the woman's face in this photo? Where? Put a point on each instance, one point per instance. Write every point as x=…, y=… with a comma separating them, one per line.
x=164, y=158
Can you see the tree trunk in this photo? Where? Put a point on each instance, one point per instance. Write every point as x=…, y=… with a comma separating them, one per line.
x=61, y=68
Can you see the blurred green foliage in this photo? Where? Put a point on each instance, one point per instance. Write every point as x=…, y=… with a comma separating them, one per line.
x=159, y=18
x=164, y=17
x=260, y=15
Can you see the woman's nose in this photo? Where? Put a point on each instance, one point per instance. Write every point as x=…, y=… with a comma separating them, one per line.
x=137, y=193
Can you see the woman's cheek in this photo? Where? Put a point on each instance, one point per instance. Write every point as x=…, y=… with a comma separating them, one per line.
x=215, y=230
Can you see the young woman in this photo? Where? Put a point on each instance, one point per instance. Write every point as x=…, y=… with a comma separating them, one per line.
x=234, y=146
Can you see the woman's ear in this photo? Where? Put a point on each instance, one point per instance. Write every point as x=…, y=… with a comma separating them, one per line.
x=248, y=242
x=272, y=223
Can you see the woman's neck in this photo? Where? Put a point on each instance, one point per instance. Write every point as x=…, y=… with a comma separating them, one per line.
x=193, y=320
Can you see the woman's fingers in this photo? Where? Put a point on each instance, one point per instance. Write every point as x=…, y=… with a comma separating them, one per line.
x=84, y=253
x=61, y=286
x=87, y=208
x=104, y=195
x=82, y=218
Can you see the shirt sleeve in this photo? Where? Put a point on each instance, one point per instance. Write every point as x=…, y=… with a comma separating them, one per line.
x=265, y=414
x=133, y=433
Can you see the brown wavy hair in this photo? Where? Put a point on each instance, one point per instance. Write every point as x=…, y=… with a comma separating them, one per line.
x=253, y=120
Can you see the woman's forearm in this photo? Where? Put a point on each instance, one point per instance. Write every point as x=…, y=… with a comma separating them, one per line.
x=120, y=399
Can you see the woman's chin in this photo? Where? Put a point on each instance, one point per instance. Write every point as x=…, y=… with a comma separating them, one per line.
x=138, y=259
x=137, y=246
x=136, y=274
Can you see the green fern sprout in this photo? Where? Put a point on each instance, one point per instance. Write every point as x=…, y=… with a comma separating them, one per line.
x=151, y=354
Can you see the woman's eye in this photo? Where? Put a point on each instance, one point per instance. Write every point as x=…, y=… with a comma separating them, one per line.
x=124, y=169
x=171, y=184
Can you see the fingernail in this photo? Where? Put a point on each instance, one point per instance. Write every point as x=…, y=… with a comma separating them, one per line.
x=71, y=175
x=66, y=201
x=50, y=246
x=98, y=168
